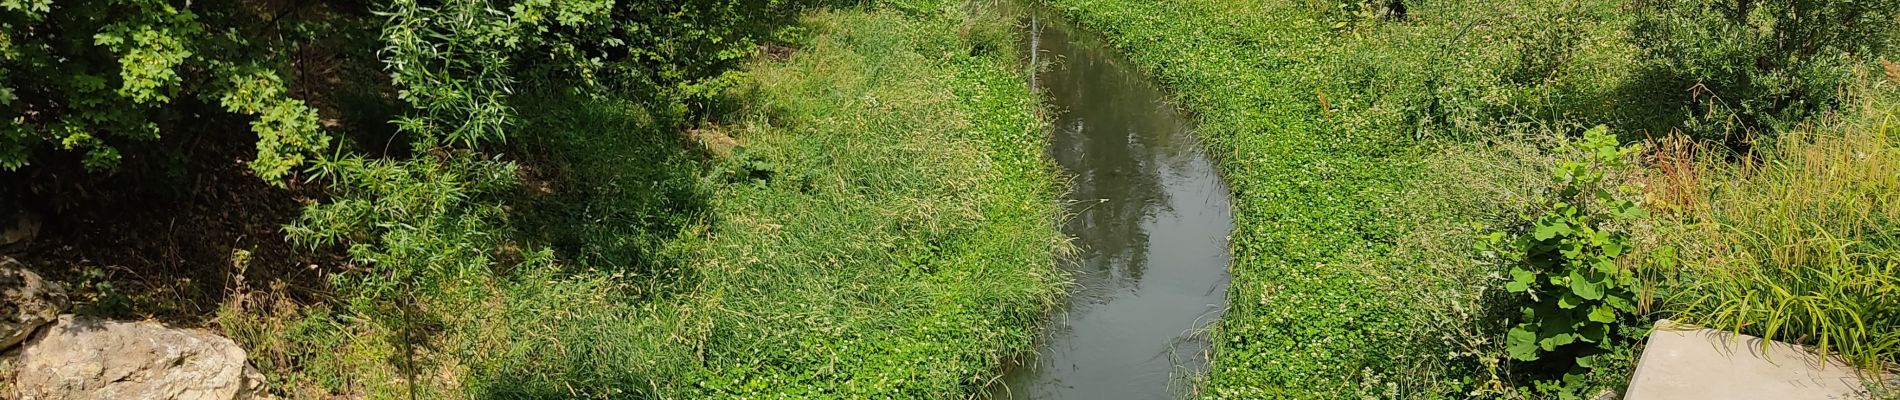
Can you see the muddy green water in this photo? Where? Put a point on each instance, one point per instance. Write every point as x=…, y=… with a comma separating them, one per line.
x=1151, y=220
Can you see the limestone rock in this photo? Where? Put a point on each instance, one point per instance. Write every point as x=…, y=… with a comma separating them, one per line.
x=84, y=358
x=17, y=230
x=26, y=302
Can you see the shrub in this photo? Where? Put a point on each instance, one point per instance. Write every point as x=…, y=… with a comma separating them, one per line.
x=649, y=47
x=1749, y=66
x=458, y=62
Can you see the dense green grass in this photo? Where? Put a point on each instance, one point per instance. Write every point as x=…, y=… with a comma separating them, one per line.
x=886, y=228
x=873, y=217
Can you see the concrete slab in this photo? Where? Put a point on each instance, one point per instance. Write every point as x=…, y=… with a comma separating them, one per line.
x=1685, y=363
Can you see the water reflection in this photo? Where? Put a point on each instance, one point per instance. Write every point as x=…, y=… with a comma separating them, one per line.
x=1151, y=219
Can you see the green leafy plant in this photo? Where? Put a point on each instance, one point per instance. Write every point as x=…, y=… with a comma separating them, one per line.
x=1566, y=262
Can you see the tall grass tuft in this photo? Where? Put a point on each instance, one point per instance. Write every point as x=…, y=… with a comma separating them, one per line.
x=1800, y=243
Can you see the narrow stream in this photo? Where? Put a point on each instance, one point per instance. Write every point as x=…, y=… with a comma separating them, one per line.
x=1151, y=221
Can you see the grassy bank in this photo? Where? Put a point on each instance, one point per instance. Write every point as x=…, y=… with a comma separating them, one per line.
x=1369, y=146
x=868, y=215
x=1354, y=198
x=887, y=225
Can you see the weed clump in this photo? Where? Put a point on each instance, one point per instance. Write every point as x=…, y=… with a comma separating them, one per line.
x=1567, y=259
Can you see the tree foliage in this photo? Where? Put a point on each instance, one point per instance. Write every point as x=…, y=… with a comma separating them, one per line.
x=93, y=76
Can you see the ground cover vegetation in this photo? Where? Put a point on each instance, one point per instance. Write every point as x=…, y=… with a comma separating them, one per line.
x=547, y=199
x=1494, y=198
x=809, y=199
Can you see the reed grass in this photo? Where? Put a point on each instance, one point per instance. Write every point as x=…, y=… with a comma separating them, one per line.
x=1801, y=242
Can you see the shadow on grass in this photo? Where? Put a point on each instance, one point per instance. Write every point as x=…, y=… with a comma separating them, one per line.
x=609, y=185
